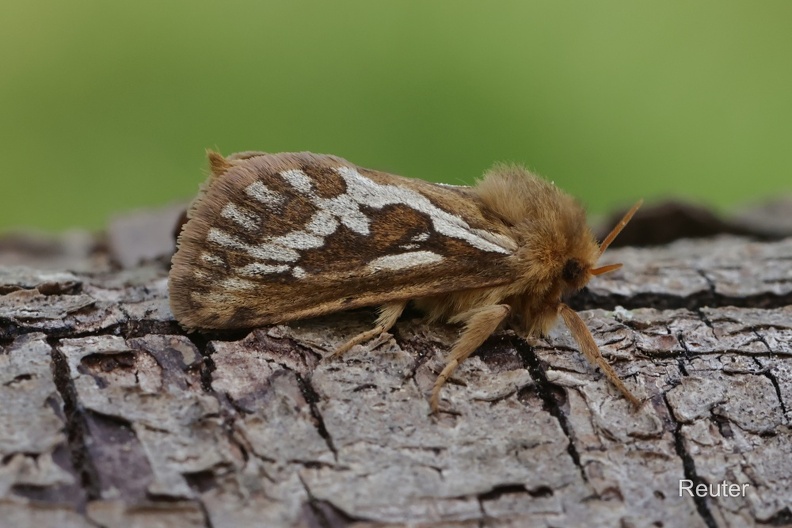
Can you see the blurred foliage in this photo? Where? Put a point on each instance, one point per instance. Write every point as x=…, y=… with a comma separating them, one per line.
x=107, y=106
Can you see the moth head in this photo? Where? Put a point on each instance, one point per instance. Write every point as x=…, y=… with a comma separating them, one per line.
x=578, y=271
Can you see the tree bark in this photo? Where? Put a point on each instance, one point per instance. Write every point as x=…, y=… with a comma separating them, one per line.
x=111, y=415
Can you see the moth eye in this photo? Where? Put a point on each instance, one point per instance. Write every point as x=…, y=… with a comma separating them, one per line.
x=573, y=270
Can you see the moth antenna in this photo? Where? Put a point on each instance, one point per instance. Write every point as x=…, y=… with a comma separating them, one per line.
x=217, y=163
x=605, y=269
x=618, y=228
x=589, y=348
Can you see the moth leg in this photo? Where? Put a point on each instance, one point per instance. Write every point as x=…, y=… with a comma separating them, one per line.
x=388, y=315
x=589, y=348
x=480, y=323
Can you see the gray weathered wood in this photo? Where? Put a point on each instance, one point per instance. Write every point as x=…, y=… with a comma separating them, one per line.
x=111, y=416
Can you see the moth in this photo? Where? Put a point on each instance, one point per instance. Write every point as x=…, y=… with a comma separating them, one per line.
x=273, y=238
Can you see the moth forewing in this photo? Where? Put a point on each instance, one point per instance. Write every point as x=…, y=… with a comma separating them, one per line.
x=280, y=237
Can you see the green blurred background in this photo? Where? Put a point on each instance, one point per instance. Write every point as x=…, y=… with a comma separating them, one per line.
x=107, y=106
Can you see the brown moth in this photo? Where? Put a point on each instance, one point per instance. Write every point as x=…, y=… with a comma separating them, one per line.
x=273, y=238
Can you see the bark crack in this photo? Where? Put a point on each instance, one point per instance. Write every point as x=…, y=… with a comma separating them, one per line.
x=689, y=468
x=545, y=389
x=310, y=395
x=76, y=425
x=769, y=375
x=324, y=514
x=767, y=372
x=585, y=299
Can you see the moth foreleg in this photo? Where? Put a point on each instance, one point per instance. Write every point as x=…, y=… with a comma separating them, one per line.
x=589, y=348
x=388, y=315
x=480, y=323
